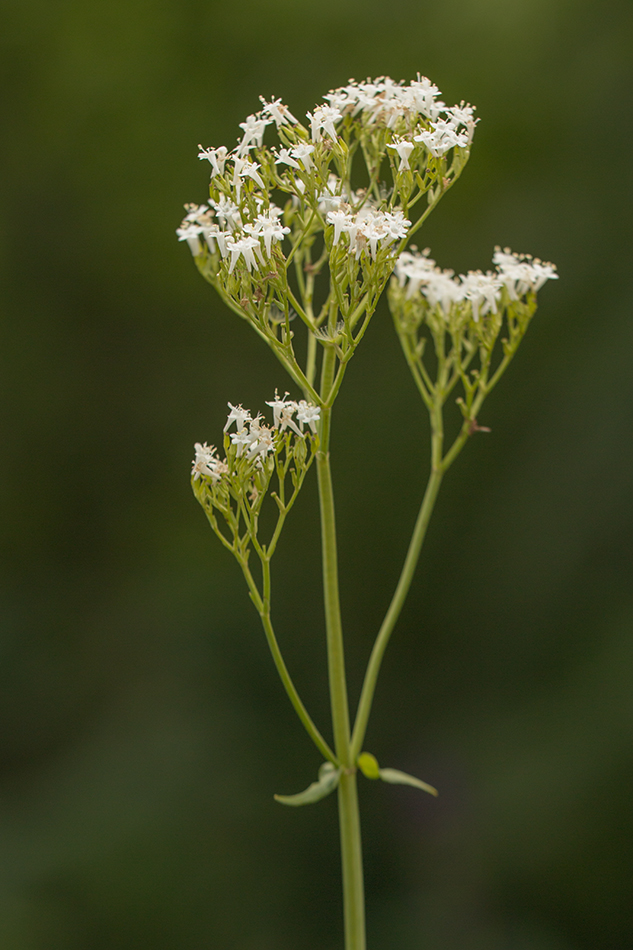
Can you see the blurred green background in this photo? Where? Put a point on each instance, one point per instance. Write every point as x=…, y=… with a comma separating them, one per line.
x=143, y=730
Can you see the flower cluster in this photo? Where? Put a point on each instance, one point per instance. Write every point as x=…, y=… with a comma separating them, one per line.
x=287, y=193
x=413, y=124
x=518, y=274
x=463, y=318
x=385, y=102
x=369, y=227
x=236, y=486
x=252, y=439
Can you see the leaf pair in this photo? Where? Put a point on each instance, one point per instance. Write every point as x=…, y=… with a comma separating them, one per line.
x=329, y=776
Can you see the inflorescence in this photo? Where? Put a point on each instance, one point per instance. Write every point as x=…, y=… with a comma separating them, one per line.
x=475, y=293
x=235, y=486
x=403, y=131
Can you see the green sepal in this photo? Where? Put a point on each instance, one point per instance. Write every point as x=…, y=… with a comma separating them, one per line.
x=395, y=777
x=328, y=780
x=368, y=764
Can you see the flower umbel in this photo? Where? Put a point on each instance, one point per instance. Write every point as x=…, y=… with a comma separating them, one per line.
x=236, y=486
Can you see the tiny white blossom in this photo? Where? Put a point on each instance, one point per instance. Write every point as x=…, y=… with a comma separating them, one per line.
x=249, y=170
x=189, y=232
x=331, y=199
x=396, y=224
x=441, y=289
x=441, y=138
x=341, y=221
x=414, y=269
x=404, y=148
x=268, y=227
x=308, y=414
x=283, y=411
x=285, y=158
x=254, y=128
x=207, y=463
x=217, y=158
x=238, y=416
x=244, y=246
x=261, y=440
x=244, y=169
x=213, y=234
x=483, y=291
x=242, y=439
x=302, y=153
x=520, y=273
x=324, y=118
x=228, y=213
x=278, y=111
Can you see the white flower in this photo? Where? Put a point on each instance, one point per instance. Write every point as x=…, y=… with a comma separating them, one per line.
x=520, y=273
x=200, y=214
x=414, y=268
x=463, y=114
x=261, y=440
x=228, y=212
x=189, y=232
x=238, y=416
x=441, y=289
x=254, y=128
x=396, y=224
x=341, y=222
x=331, y=199
x=404, y=148
x=278, y=111
x=242, y=440
x=423, y=96
x=249, y=170
x=207, y=463
x=302, y=153
x=244, y=246
x=217, y=157
x=308, y=414
x=373, y=230
x=441, y=138
x=368, y=226
x=483, y=291
x=212, y=234
x=244, y=169
x=324, y=118
x=268, y=227
x=285, y=158
x=283, y=411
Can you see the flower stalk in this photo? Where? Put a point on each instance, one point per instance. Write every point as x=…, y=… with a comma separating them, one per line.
x=285, y=225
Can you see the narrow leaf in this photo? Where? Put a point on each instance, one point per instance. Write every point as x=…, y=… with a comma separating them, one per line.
x=328, y=780
x=395, y=777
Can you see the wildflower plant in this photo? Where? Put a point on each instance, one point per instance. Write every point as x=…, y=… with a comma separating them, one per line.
x=300, y=238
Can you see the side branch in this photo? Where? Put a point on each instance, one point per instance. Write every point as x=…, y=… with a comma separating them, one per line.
x=393, y=612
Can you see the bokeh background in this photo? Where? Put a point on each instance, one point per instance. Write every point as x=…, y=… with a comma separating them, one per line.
x=143, y=730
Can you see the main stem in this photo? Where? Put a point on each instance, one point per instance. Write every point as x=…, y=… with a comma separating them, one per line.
x=349, y=818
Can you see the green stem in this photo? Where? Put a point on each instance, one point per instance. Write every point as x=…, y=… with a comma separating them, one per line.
x=404, y=583
x=395, y=607
x=263, y=608
x=349, y=819
x=294, y=697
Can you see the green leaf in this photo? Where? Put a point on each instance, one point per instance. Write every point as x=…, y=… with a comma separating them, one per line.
x=395, y=777
x=328, y=780
x=368, y=764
